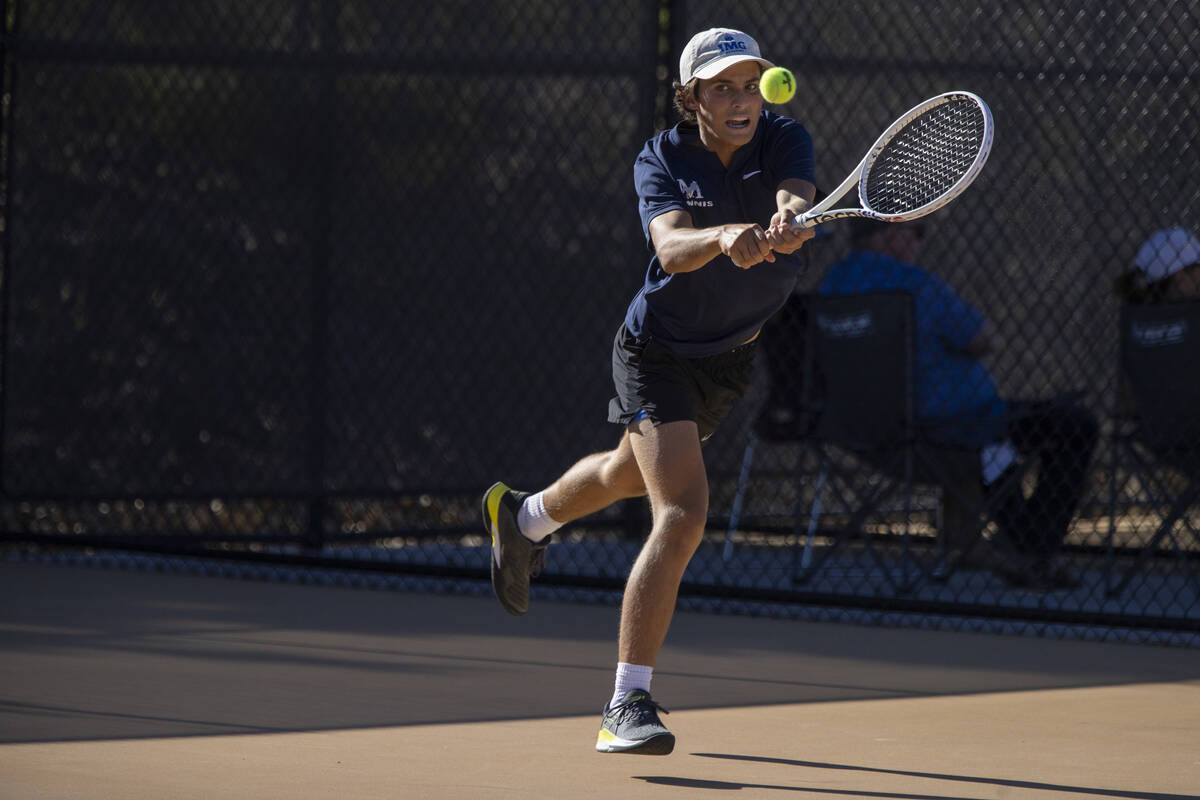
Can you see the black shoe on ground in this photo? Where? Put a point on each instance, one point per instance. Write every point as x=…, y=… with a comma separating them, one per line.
x=514, y=558
x=1051, y=575
x=1044, y=576
x=633, y=726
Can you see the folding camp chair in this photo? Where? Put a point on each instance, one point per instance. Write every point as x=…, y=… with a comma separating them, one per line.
x=863, y=347
x=1156, y=437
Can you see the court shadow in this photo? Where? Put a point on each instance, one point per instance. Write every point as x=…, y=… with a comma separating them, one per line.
x=92, y=654
x=691, y=783
x=1007, y=783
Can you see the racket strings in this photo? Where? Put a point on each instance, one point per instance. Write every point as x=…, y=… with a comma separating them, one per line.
x=926, y=158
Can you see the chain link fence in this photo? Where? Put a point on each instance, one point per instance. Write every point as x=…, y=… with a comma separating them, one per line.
x=297, y=279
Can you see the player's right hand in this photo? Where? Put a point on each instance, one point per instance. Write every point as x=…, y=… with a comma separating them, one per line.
x=746, y=245
x=785, y=237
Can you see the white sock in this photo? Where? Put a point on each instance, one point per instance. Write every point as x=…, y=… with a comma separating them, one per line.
x=532, y=519
x=631, y=676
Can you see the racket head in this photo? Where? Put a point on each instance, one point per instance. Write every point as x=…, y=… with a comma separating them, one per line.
x=926, y=158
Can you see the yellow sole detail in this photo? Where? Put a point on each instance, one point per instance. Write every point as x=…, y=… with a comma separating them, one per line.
x=493, y=508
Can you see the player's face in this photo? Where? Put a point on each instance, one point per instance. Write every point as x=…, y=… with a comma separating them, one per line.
x=728, y=107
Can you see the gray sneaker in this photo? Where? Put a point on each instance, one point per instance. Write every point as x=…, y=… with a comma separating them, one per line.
x=514, y=558
x=633, y=726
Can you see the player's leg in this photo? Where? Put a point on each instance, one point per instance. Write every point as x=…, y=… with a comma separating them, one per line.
x=594, y=483
x=685, y=400
x=672, y=467
x=520, y=523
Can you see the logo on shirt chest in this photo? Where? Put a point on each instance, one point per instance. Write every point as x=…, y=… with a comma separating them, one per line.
x=692, y=195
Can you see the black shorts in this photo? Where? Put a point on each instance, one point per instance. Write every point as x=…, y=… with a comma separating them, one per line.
x=650, y=378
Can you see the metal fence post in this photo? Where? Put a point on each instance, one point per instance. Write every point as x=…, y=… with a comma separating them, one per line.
x=319, y=355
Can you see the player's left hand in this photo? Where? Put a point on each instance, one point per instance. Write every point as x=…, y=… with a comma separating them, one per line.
x=783, y=237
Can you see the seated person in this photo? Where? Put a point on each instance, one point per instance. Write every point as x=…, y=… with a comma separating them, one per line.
x=958, y=404
x=1166, y=270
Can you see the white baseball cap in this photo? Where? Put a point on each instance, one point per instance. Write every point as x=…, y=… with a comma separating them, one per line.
x=1166, y=252
x=711, y=51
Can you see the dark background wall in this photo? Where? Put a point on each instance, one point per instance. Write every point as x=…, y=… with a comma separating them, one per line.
x=358, y=259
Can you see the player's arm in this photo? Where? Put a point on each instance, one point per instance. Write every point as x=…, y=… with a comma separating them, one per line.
x=794, y=197
x=682, y=247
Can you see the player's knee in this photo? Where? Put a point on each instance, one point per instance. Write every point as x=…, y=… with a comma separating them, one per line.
x=682, y=523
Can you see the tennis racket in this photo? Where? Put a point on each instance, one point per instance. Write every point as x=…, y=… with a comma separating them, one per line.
x=924, y=159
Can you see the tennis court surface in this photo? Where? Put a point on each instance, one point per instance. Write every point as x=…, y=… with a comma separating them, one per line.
x=129, y=684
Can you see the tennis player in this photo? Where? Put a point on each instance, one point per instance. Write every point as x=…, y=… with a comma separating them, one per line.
x=716, y=195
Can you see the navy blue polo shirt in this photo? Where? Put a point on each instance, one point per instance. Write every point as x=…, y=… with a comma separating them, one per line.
x=720, y=305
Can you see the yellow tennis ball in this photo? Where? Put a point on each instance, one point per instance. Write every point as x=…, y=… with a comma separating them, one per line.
x=778, y=85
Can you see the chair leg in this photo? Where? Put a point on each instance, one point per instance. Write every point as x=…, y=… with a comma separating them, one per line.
x=906, y=537
x=893, y=568
x=1177, y=510
x=1189, y=496
x=1110, y=547
x=735, y=513
x=864, y=506
x=802, y=559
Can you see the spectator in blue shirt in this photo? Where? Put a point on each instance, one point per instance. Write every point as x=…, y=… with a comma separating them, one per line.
x=958, y=404
x=716, y=194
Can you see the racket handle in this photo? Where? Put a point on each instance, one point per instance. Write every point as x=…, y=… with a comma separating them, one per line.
x=813, y=218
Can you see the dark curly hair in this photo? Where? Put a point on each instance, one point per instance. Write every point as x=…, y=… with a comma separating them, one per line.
x=684, y=92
